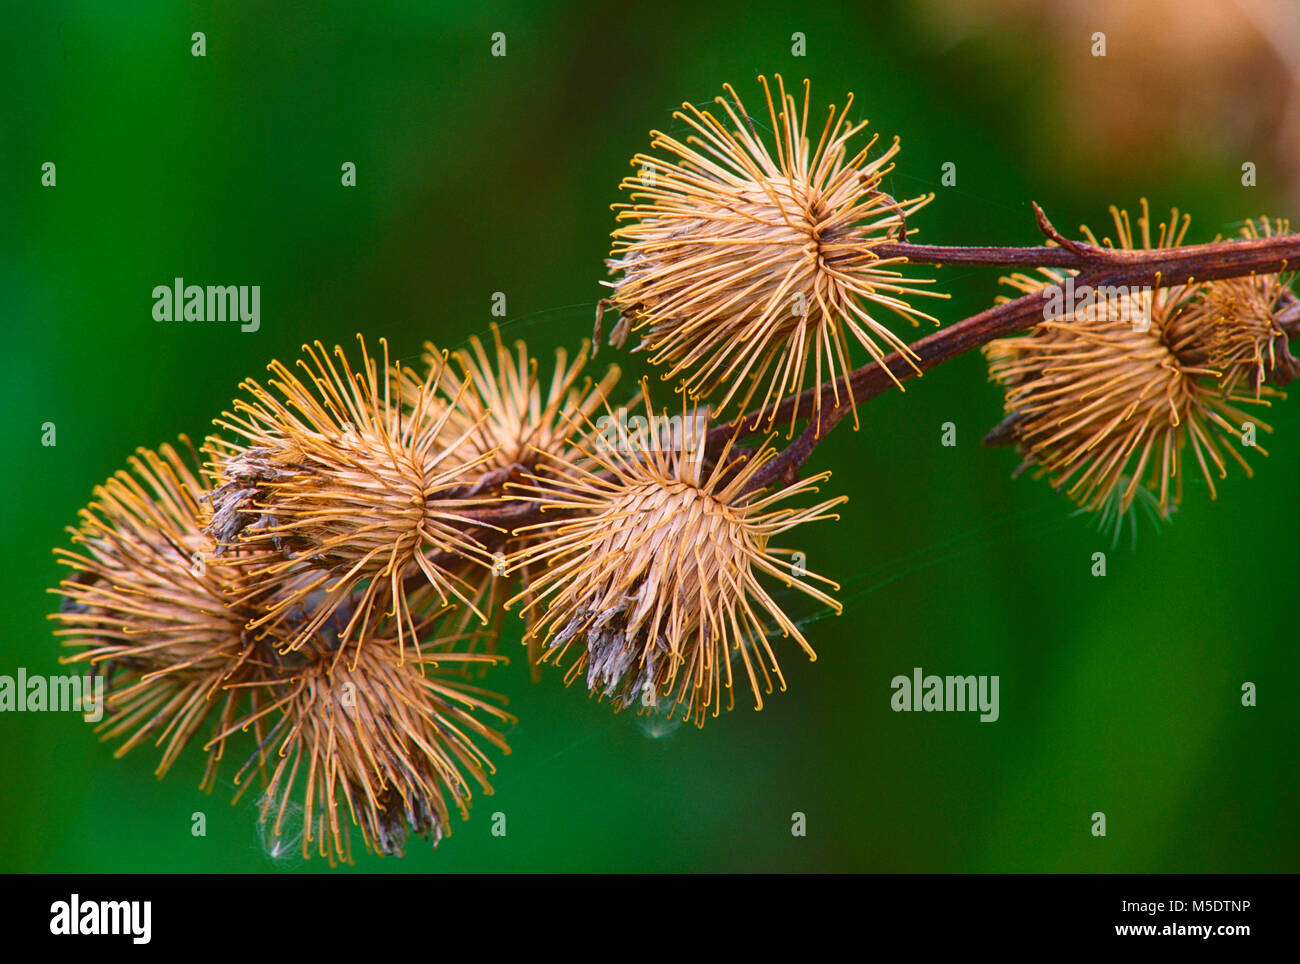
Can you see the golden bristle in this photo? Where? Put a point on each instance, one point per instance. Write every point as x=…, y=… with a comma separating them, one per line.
x=338, y=488
x=151, y=608
x=146, y=609
x=1234, y=327
x=505, y=418
x=651, y=575
x=389, y=744
x=1108, y=397
x=742, y=263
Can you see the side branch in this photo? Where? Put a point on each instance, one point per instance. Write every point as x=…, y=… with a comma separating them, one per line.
x=1158, y=267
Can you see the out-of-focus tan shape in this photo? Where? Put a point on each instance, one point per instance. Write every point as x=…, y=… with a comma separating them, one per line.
x=1214, y=79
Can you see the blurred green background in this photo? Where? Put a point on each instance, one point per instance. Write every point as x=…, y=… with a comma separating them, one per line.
x=478, y=174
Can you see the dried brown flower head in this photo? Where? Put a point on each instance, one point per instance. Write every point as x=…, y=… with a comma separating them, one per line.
x=742, y=263
x=503, y=415
x=653, y=577
x=389, y=743
x=146, y=609
x=338, y=489
x=1234, y=327
x=152, y=610
x=507, y=420
x=1108, y=395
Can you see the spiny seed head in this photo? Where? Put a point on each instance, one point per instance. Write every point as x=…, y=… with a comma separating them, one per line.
x=389, y=743
x=741, y=262
x=152, y=610
x=1234, y=327
x=650, y=578
x=146, y=610
x=338, y=489
x=1110, y=395
x=506, y=420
